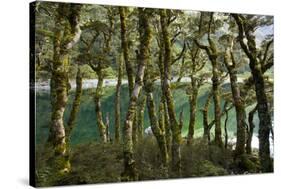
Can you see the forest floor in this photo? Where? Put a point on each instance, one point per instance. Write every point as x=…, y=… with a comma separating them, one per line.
x=103, y=163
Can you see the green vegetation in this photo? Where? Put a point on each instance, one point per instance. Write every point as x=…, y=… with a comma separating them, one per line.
x=190, y=90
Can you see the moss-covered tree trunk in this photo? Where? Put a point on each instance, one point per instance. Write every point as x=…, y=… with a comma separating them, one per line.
x=167, y=129
x=225, y=125
x=216, y=98
x=238, y=103
x=117, y=101
x=145, y=39
x=192, y=111
x=107, y=126
x=125, y=48
x=251, y=130
x=205, y=113
x=175, y=127
x=140, y=116
x=75, y=105
x=158, y=132
x=53, y=91
x=98, y=110
x=163, y=103
x=245, y=30
x=67, y=33
x=213, y=54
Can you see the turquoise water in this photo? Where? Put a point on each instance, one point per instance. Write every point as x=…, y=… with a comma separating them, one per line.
x=86, y=128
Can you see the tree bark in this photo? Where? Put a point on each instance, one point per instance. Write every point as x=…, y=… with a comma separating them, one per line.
x=225, y=126
x=238, y=103
x=145, y=39
x=251, y=130
x=125, y=48
x=205, y=112
x=175, y=127
x=163, y=103
x=75, y=105
x=117, y=101
x=107, y=125
x=262, y=102
x=140, y=116
x=66, y=33
x=167, y=128
x=98, y=110
x=213, y=54
x=157, y=131
x=192, y=111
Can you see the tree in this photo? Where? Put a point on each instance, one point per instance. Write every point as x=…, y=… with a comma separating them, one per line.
x=212, y=53
x=125, y=48
x=246, y=27
x=197, y=80
x=251, y=130
x=117, y=100
x=231, y=65
x=157, y=128
x=175, y=127
x=145, y=39
x=75, y=104
x=66, y=35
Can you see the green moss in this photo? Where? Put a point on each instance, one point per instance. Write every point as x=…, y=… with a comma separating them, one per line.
x=247, y=163
x=207, y=168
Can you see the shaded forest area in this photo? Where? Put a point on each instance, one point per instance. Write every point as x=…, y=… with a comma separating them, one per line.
x=191, y=90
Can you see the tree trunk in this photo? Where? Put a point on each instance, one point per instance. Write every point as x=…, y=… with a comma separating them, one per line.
x=117, y=101
x=125, y=48
x=176, y=132
x=145, y=39
x=167, y=128
x=265, y=119
x=163, y=102
x=216, y=98
x=205, y=112
x=262, y=103
x=213, y=54
x=75, y=105
x=67, y=33
x=192, y=111
x=157, y=131
x=238, y=103
x=98, y=94
x=225, y=126
x=251, y=130
x=107, y=125
x=140, y=116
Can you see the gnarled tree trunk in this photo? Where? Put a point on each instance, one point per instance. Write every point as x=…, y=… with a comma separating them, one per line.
x=192, y=111
x=213, y=54
x=245, y=29
x=145, y=39
x=175, y=127
x=67, y=33
x=75, y=104
x=117, y=101
x=238, y=103
x=251, y=130
x=205, y=112
x=140, y=116
x=125, y=48
x=98, y=94
x=158, y=132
